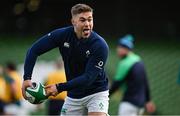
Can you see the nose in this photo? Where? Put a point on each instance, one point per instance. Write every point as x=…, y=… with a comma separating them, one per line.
x=86, y=23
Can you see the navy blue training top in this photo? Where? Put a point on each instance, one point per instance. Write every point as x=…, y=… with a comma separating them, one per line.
x=84, y=61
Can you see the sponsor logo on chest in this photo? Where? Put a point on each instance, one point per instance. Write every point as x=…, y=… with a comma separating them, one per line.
x=66, y=44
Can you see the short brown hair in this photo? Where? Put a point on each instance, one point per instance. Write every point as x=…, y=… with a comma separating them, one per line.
x=80, y=8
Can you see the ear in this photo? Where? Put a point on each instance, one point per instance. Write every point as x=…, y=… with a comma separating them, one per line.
x=72, y=21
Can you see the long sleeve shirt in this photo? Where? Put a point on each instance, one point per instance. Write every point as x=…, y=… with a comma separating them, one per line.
x=84, y=61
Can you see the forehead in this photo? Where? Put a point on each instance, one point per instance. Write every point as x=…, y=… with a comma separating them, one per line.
x=84, y=15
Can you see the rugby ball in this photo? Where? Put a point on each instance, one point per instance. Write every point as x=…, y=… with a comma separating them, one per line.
x=36, y=94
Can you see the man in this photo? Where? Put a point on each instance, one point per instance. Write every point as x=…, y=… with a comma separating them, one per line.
x=12, y=73
x=2, y=91
x=84, y=53
x=55, y=103
x=131, y=72
x=7, y=91
x=14, y=90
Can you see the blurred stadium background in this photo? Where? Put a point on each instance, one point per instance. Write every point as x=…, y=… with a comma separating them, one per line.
x=155, y=25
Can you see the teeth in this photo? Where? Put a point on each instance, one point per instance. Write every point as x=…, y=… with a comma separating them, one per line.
x=86, y=30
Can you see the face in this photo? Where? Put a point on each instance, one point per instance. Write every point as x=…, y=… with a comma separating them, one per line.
x=83, y=24
x=122, y=51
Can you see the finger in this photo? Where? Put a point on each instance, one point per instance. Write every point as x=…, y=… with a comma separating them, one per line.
x=48, y=92
x=24, y=93
x=54, y=94
x=48, y=86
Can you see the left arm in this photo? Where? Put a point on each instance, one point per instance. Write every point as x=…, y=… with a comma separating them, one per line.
x=140, y=72
x=150, y=106
x=119, y=78
x=93, y=68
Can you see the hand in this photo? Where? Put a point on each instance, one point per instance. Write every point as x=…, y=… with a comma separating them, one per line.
x=26, y=83
x=150, y=107
x=51, y=90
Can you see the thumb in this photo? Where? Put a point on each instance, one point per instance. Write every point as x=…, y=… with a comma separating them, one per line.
x=30, y=84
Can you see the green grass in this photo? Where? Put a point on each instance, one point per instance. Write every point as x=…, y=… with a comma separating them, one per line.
x=161, y=58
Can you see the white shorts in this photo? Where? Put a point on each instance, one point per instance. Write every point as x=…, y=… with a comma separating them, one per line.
x=98, y=102
x=128, y=109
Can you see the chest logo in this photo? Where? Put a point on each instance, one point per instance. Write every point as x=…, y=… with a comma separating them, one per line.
x=66, y=44
x=87, y=53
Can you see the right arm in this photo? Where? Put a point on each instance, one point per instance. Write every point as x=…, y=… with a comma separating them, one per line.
x=43, y=45
x=115, y=85
x=119, y=78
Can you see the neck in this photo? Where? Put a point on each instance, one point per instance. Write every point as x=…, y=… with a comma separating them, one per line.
x=77, y=34
x=125, y=55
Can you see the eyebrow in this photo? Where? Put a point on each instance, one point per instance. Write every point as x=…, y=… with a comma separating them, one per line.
x=86, y=18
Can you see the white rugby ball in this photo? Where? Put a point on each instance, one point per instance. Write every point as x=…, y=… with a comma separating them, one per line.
x=36, y=94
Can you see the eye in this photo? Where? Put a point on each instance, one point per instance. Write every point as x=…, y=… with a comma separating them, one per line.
x=89, y=20
x=82, y=20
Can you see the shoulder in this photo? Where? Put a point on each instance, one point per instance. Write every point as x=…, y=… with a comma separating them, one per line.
x=98, y=42
x=60, y=34
x=132, y=57
x=139, y=64
x=138, y=68
x=15, y=75
x=68, y=29
x=130, y=60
